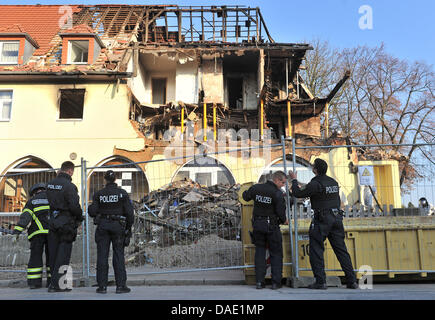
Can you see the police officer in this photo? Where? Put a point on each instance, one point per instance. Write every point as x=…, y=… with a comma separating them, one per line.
x=65, y=217
x=268, y=214
x=113, y=213
x=35, y=213
x=327, y=223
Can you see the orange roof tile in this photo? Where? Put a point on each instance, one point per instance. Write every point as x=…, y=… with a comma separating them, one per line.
x=16, y=28
x=81, y=28
x=41, y=22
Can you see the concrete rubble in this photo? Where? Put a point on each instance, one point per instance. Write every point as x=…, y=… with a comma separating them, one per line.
x=184, y=219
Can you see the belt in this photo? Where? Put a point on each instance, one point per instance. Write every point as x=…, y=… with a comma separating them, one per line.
x=334, y=211
x=113, y=217
x=268, y=218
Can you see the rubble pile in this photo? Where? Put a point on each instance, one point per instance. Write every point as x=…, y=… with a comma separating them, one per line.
x=181, y=215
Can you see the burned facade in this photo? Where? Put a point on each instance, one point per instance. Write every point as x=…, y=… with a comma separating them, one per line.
x=118, y=84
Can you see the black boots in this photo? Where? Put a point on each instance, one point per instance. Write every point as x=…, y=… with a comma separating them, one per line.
x=353, y=285
x=123, y=289
x=276, y=286
x=101, y=290
x=260, y=285
x=318, y=286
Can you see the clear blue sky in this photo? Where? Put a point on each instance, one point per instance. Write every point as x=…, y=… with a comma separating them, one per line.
x=407, y=28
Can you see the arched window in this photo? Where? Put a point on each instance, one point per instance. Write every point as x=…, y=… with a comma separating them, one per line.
x=303, y=169
x=206, y=171
x=16, y=182
x=129, y=177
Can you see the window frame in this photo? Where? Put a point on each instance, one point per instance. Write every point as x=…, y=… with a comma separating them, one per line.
x=60, y=100
x=68, y=60
x=18, y=56
x=1, y=106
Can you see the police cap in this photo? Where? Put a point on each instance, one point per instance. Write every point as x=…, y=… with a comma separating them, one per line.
x=110, y=176
x=37, y=187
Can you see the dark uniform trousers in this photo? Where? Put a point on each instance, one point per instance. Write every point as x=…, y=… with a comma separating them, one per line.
x=60, y=254
x=266, y=232
x=328, y=225
x=110, y=231
x=38, y=246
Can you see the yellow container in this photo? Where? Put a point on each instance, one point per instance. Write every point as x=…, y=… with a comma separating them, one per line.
x=388, y=245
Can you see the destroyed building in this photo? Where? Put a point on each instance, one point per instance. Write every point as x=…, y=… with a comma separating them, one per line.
x=186, y=103
x=106, y=83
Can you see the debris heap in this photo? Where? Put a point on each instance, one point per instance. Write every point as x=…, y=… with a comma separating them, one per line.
x=181, y=214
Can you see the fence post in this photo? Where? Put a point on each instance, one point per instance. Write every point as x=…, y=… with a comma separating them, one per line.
x=294, y=210
x=288, y=207
x=84, y=230
x=85, y=188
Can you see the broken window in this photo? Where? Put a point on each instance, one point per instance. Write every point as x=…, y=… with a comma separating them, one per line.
x=71, y=103
x=5, y=105
x=129, y=176
x=9, y=52
x=78, y=51
x=158, y=86
x=235, y=92
x=203, y=178
x=205, y=171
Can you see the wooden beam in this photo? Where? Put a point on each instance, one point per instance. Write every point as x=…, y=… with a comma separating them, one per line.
x=204, y=127
x=289, y=119
x=202, y=26
x=113, y=21
x=166, y=26
x=265, y=27
x=179, y=14
x=214, y=122
x=191, y=26
x=146, y=25
x=182, y=119
x=338, y=86
x=102, y=17
x=126, y=20
x=261, y=118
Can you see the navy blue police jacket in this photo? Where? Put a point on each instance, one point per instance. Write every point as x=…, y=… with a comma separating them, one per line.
x=268, y=200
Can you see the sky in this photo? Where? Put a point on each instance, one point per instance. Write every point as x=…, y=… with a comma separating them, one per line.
x=406, y=27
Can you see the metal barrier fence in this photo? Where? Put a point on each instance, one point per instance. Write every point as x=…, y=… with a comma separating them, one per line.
x=387, y=230
x=181, y=225
x=15, y=250
x=191, y=218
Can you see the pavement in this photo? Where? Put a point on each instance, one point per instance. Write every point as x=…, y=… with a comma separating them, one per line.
x=213, y=286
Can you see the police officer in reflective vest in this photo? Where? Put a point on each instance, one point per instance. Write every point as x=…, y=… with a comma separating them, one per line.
x=327, y=223
x=64, y=219
x=36, y=213
x=113, y=213
x=268, y=214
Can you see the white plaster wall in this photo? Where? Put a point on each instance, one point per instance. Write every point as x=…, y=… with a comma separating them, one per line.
x=186, y=82
x=137, y=85
x=170, y=85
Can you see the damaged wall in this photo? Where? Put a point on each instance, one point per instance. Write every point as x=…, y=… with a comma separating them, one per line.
x=306, y=126
x=212, y=79
x=187, y=82
x=179, y=71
